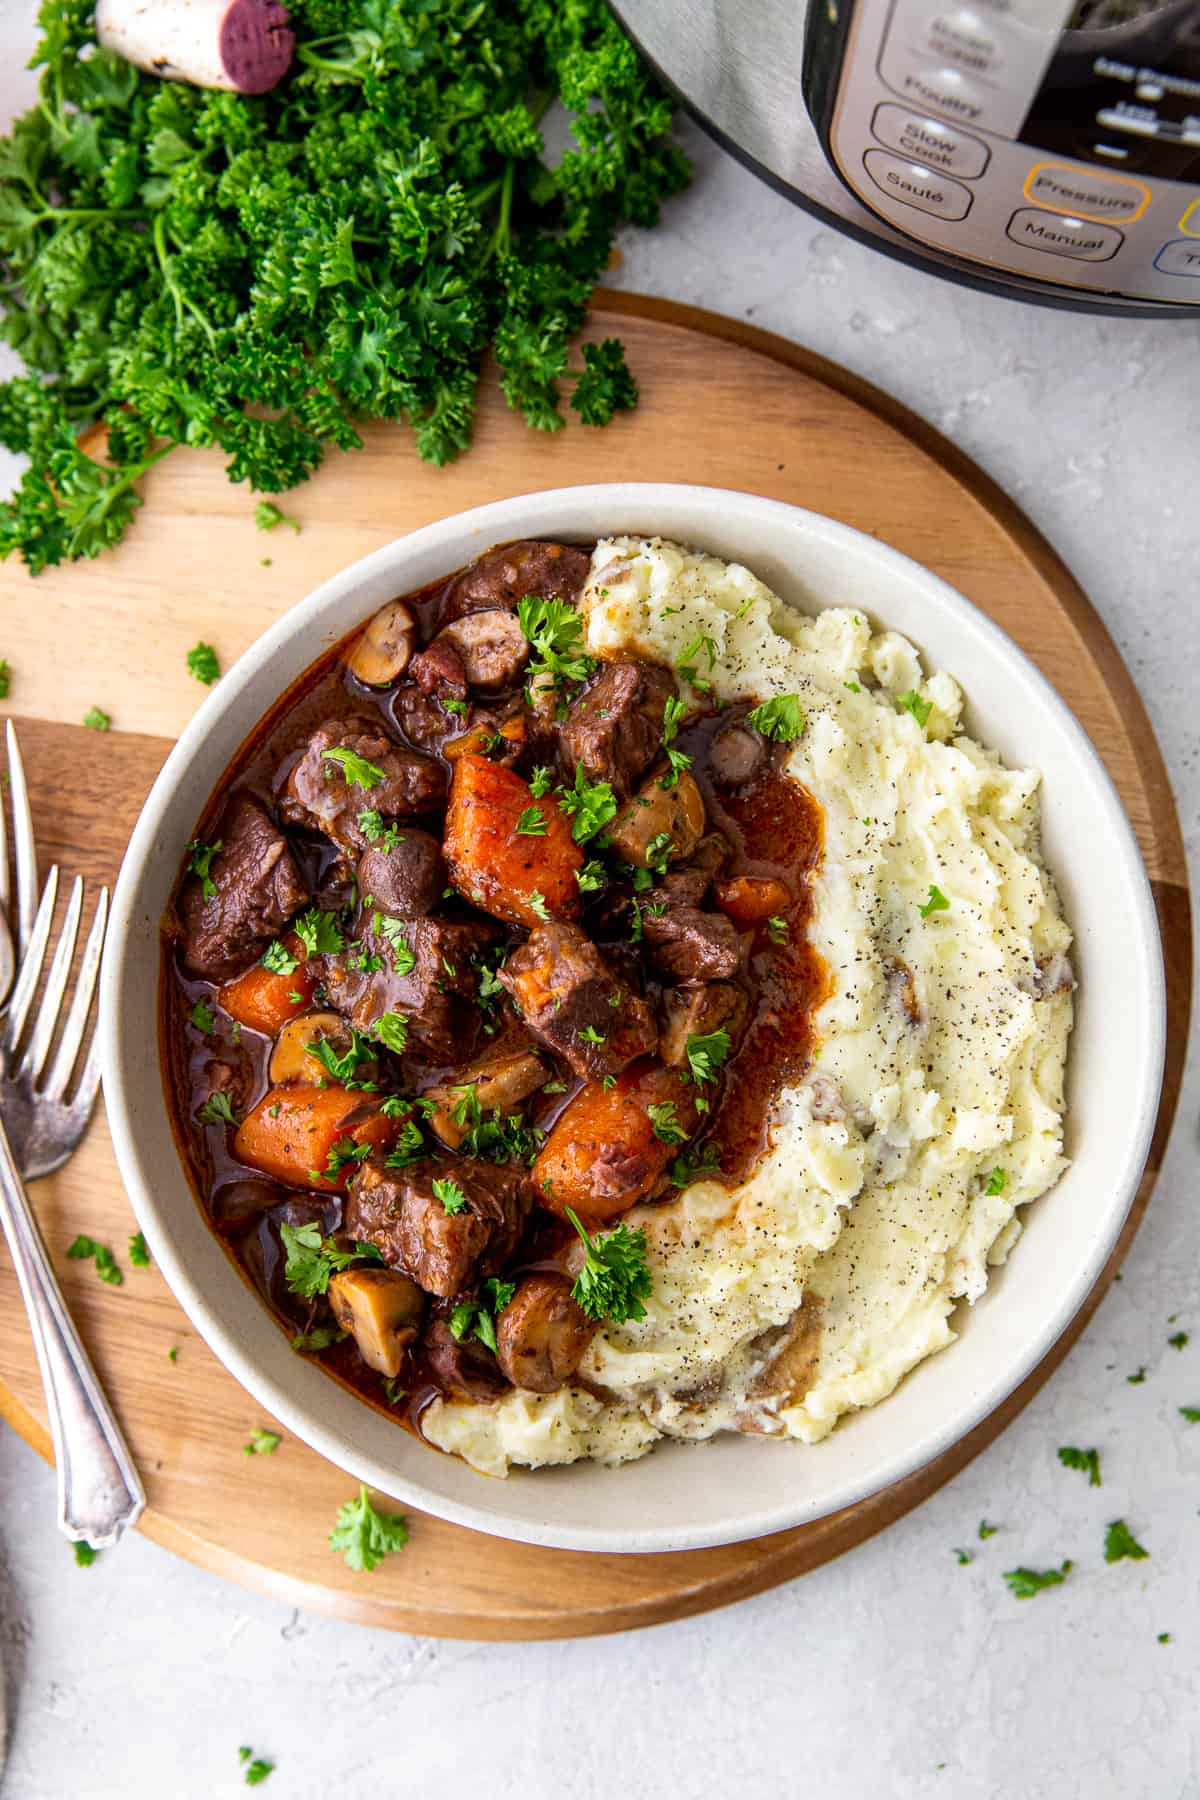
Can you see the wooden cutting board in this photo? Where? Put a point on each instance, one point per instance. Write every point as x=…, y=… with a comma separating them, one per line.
x=721, y=404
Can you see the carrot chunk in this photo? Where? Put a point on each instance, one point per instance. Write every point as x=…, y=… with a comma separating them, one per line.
x=751, y=900
x=312, y=1137
x=263, y=1001
x=604, y=1153
x=524, y=876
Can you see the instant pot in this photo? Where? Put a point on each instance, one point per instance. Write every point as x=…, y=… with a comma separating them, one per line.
x=1048, y=149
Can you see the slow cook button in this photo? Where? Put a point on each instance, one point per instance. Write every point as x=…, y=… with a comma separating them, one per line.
x=1180, y=258
x=914, y=184
x=1058, y=236
x=929, y=141
x=1084, y=194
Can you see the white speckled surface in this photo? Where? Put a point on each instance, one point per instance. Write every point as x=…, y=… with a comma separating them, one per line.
x=895, y=1671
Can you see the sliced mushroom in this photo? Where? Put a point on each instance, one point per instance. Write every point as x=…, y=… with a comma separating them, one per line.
x=498, y=1081
x=736, y=755
x=542, y=1333
x=656, y=812
x=385, y=647
x=292, y=1059
x=492, y=646
x=382, y=1310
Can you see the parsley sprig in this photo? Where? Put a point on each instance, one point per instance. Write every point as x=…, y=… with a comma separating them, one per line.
x=364, y=1535
x=615, y=1277
x=312, y=1259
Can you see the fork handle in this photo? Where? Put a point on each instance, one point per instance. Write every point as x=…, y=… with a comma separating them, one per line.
x=99, y=1492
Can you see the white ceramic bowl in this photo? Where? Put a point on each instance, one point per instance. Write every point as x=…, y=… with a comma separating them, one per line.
x=681, y=1496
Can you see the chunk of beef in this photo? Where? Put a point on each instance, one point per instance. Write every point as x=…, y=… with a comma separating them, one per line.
x=321, y=794
x=407, y=879
x=440, y=669
x=436, y=994
x=444, y=1252
x=567, y=994
x=691, y=946
x=659, y=822
x=615, y=727
x=257, y=888
x=690, y=1012
x=490, y=645
x=736, y=755
x=542, y=1333
x=504, y=576
x=686, y=883
x=420, y=718
x=464, y=1370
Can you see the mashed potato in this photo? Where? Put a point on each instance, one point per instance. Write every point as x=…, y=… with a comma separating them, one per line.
x=934, y=1106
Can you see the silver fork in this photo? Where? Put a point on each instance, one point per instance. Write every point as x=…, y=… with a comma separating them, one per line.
x=41, y=1121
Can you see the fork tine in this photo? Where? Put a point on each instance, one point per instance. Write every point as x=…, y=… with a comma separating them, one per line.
x=89, y=1082
x=5, y=883
x=81, y=1005
x=23, y=847
x=25, y=985
x=42, y=1035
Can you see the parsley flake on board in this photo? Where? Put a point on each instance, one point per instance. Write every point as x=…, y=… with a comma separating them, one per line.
x=267, y=516
x=200, y=858
x=937, y=902
x=1136, y=1379
x=1025, y=1583
x=139, y=1254
x=5, y=679
x=615, y=1278
x=97, y=720
x=262, y=1443
x=364, y=1535
x=780, y=718
x=86, y=1249
x=357, y=771
x=203, y=664
x=913, y=703
x=1120, y=1544
x=312, y=1259
x=1086, y=1461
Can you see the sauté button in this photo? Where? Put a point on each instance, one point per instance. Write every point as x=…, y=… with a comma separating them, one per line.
x=1061, y=236
x=1083, y=194
x=914, y=184
x=930, y=141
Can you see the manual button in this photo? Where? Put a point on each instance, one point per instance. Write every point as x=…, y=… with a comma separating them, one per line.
x=1060, y=236
x=1084, y=194
x=929, y=141
x=914, y=184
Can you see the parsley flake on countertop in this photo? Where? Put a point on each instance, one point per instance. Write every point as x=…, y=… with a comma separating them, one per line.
x=986, y=1530
x=1136, y=1378
x=203, y=664
x=85, y=1554
x=1191, y=1414
x=267, y=516
x=615, y=1278
x=1178, y=1340
x=97, y=720
x=364, y=1535
x=937, y=902
x=1025, y=1583
x=780, y=718
x=1086, y=1461
x=962, y=1557
x=1120, y=1544
x=256, y=1770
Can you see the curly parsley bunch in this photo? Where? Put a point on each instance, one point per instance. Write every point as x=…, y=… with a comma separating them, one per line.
x=262, y=273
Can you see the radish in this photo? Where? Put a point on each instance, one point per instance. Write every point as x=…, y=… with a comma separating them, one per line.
x=242, y=45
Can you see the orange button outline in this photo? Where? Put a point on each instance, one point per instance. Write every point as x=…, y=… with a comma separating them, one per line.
x=1077, y=212
x=1188, y=230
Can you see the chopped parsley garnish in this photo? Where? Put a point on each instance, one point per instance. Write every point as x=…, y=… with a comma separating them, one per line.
x=358, y=772
x=707, y=1053
x=395, y=932
x=203, y=1018
x=312, y=1259
x=452, y=705
x=393, y=1393
x=1086, y=1461
x=686, y=663
x=203, y=664
x=537, y=904
x=340, y=1154
x=97, y=720
x=217, y=1110
x=364, y=1535
x=694, y=1164
x=499, y=1138
x=589, y=804
x=319, y=1338
x=341, y=1067
x=540, y=782
x=591, y=878
x=615, y=1278
x=986, y=1531
x=86, y=1249
x=478, y=1317
x=391, y=1028
x=997, y=1181
x=391, y=1106
x=1025, y=1583
x=279, y=959
x=370, y=823
x=173, y=1353
x=780, y=718
x=590, y=1035
x=449, y=1193
x=913, y=703
x=659, y=852
x=1120, y=1544
x=408, y=1148
x=679, y=761
x=674, y=711
x=139, y=1254
x=267, y=516
x=532, y=823
x=937, y=902
x=1178, y=1340
x=854, y=686
x=262, y=1443
x=85, y=1554
x=664, y=1121
x=555, y=630
x=777, y=929
x=319, y=933
x=5, y=679
x=200, y=858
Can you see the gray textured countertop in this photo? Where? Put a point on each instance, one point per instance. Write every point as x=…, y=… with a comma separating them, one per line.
x=894, y=1671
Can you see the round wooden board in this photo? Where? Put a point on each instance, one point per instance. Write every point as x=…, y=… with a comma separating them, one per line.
x=721, y=404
